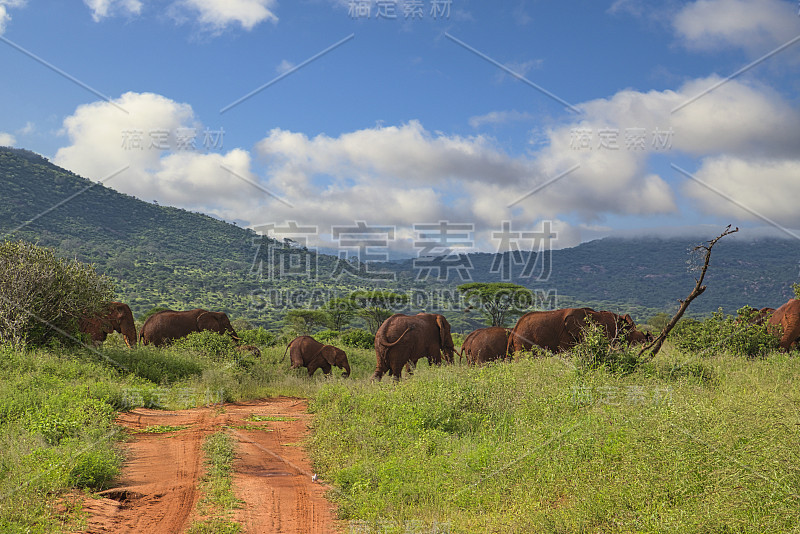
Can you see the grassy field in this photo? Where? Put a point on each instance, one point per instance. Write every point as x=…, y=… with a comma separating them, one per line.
x=683, y=444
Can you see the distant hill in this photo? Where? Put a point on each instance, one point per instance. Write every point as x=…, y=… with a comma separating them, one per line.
x=164, y=256
x=646, y=275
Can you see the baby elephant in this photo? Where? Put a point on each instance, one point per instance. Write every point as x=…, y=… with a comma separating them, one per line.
x=305, y=351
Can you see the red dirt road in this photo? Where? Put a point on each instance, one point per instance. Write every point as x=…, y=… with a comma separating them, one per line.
x=158, y=490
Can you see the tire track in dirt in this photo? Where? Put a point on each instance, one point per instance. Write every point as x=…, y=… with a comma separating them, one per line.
x=158, y=489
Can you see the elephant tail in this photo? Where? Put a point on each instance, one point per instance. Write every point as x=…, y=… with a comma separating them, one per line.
x=395, y=342
x=287, y=349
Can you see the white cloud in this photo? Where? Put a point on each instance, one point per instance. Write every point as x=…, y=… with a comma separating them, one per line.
x=284, y=66
x=104, y=140
x=106, y=8
x=522, y=68
x=29, y=128
x=4, y=16
x=6, y=139
x=499, y=117
x=218, y=15
x=767, y=188
x=755, y=26
x=404, y=174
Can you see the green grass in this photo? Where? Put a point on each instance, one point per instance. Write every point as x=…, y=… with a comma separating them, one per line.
x=259, y=418
x=682, y=444
x=218, y=500
x=536, y=446
x=57, y=410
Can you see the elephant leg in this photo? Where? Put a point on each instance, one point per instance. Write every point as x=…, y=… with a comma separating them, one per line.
x=312, y=366
x=397, y=369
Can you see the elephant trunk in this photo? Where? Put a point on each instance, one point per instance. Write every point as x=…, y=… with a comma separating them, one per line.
x=129, y=334
x=346, y=370
x=448, y=354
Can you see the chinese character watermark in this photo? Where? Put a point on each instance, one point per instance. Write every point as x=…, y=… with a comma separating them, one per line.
x=584, y=395
x=182, y=139
x=609, y=139
x=438, y=241
x=388, y=9
x=530, y=249
x=285, y=251
x=387, y=526
x=368, y=245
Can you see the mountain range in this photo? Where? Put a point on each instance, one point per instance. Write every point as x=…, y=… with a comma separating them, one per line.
x=165, y=256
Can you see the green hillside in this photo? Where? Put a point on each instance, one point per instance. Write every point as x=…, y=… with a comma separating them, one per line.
x=164, y=256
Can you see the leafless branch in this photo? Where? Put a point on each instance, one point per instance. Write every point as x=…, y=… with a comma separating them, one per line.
x=656, y=344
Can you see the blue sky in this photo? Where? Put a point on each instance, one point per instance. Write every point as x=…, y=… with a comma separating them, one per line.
x=411, y=120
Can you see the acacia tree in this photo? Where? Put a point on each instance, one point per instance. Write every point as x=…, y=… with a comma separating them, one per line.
x=340, y=311
x=377, y=306
x=499, y=301
x=305, y=321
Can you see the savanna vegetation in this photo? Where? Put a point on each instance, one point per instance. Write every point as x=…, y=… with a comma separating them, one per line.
x=585, y=441
x=702, y=438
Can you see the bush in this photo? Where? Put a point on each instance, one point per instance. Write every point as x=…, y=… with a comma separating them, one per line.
x=595, y=350
x=360, y=339
x=215, y=346
x=327, y=336
x=259, y=337
x=43, y=297
x=726, y=333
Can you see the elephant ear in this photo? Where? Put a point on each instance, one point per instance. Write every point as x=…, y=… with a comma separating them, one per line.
x=329, y=353
x=206, y=321
x=627, y=320
x=444, y=331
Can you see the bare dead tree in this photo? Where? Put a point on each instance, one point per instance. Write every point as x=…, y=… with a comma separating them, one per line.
x=655, y=345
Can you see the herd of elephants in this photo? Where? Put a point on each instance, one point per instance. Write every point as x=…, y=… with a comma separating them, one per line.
x=403, y=339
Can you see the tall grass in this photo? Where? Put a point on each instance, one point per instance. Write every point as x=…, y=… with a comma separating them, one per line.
x=537, y=446
x=57, y=411
x=682, y=444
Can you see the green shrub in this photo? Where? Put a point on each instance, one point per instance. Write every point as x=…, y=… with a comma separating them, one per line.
x=258, y=336
x=95, y=468
x=595, y=350
x=360, y=339
x=215, y=346
x=726, y=333
x=327, y=336
x=43, y=298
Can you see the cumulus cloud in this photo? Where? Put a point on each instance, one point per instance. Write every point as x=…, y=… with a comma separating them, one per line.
x=744, y=136
x=749, y=189
x=6, y=139
x=755, y=26
x=499, y=117
x=404, y=175
x=217, y=15
x=152, y=143
x=4, y=16
x=106, y=8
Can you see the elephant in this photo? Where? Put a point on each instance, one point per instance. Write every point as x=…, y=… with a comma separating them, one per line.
x=169, y=325
x=617, y=326
x=117, y=318
x=787, y=317
x=560, y=330
x=403, y=339
x=486, y=345
x=762, y=316
x=305, y=351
